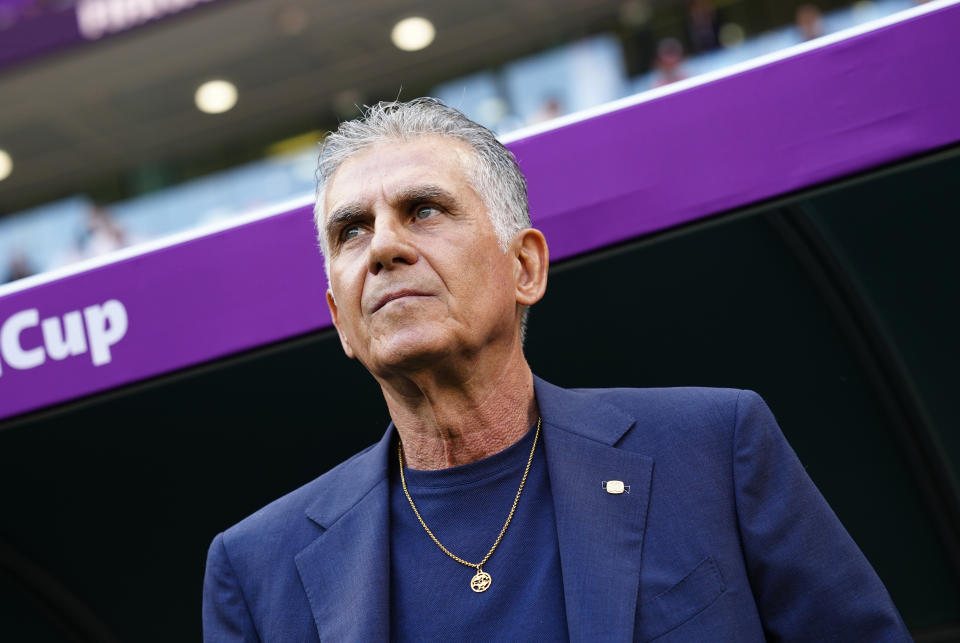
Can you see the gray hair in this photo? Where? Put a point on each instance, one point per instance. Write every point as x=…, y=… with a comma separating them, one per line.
x=494, y=174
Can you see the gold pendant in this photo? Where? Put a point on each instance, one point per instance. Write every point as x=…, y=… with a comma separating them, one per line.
x=480, y=582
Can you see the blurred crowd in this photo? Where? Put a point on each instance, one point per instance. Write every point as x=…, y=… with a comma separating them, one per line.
x=539, y=88
x=99, y=235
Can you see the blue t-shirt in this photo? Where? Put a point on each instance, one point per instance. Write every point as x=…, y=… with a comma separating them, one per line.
x=465, y=507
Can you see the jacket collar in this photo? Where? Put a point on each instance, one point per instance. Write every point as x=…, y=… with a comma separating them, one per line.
x=345, y=571
x=348, y=484
x=580, y=412
x=600, y=535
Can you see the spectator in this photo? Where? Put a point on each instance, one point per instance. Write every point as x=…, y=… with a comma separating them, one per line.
x=703, y=25
x=669, y=63
x=809, y=22
x=637, y=36
x=550, y=109
x=101, y=236
x=19, y=267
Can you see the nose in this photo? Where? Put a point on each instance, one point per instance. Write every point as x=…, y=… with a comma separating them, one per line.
x=390, y=246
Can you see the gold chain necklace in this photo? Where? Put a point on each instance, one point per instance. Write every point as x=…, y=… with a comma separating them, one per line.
x=481, y=580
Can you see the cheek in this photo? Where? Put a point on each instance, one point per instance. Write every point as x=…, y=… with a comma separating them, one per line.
x=489, y=282
x=347, y=295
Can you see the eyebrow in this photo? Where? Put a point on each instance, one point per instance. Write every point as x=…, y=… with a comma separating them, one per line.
x=343, y=215
x=419, y=193
x=351, y=212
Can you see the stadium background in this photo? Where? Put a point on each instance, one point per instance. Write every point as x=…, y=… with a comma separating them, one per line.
x=845, y=293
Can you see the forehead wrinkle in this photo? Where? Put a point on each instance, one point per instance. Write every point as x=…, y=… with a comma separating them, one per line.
x=463, y=159
x=349, y=210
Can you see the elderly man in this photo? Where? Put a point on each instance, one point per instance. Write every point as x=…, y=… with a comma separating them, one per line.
x=496, y=505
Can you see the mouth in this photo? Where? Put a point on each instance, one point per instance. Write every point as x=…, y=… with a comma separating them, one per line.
x=397, y=294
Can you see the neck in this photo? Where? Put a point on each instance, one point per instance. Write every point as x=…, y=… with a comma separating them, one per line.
x=445, y=420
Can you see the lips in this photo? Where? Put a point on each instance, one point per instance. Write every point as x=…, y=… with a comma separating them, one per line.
x=397, y=294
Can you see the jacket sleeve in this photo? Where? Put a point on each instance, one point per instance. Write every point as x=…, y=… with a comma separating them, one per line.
x=809, y=579
x=225, y=613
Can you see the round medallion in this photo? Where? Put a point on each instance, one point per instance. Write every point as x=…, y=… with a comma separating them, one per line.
x=480, y=582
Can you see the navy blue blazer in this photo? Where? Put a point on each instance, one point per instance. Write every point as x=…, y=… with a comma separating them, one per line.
x=722, y=536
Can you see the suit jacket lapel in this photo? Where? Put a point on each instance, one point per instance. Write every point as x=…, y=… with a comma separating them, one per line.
x=600, y=535
x=346, y=570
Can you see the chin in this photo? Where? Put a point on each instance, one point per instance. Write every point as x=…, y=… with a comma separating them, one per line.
x=410, y=349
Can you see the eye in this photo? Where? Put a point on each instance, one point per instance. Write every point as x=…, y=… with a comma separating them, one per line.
x=424, y=212
x=350, y=232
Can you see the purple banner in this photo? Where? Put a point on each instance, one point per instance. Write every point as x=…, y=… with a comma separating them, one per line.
x=823, y=114
x=813, y=117
x=160, y=311
x=38, y=30
x=32, y=36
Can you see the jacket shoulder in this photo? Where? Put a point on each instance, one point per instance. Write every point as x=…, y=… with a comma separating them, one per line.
x=667, y=421
x=648, y=399
x=688, y=405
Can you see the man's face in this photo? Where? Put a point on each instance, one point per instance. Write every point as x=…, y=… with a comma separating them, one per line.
x=416, y=272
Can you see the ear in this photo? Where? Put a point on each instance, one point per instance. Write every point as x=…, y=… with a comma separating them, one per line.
x=530, y=267
x=335, y=315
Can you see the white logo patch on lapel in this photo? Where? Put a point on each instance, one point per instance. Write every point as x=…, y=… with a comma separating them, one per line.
x=615, y=487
